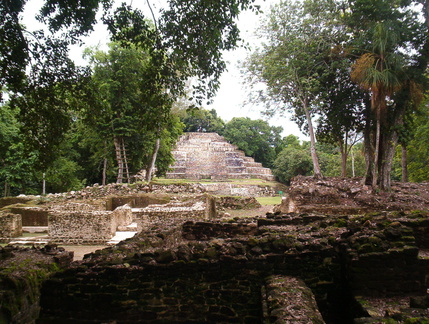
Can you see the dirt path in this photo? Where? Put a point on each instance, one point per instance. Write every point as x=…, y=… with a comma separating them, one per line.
x=261, y=211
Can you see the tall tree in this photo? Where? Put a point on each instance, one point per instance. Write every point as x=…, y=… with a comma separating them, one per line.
x=130, y=104
x=292, y=60
x=391, y=39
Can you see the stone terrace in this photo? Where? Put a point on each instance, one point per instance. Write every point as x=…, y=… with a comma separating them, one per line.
x=210, y=156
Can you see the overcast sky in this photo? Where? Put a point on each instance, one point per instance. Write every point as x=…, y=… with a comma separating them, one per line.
x=230, y=99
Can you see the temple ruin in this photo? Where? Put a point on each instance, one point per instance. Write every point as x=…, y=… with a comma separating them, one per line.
x=333, y=252
x=210, y=156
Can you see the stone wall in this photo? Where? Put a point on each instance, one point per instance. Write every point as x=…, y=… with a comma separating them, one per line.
x=237, y=203
x=289, y=300
x=203, y=231
x=206, y=275
x=136, y=200
x=231, y=189
x=10, y=226
x=77, y=223
x=170, y=214
x=200, y=294
x=123, y=216
x=347, y=196
x=22, y=272
x=32, y=216
x=80, y=227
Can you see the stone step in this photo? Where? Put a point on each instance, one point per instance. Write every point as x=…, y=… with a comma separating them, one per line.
x=35, y=229
x=248, y=164
x=30, y=240
x=256, y=170
x=129, y=228
x=235, y=169
x=120, y=236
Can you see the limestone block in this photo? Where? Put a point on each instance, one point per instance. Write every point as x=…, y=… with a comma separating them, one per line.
x=10, y=226
x=80, y=227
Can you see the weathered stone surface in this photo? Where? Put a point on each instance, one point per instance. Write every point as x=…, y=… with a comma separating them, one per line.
x=210, y=156
x=232, y=202
x=10, y=226
x=289, y=300
x=86, y=226
x=32, y=216
x=349, y=196
x=375, y=256
x=22, y=272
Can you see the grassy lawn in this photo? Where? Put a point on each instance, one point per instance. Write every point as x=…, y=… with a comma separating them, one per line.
x=255, y=182
x=269, y=201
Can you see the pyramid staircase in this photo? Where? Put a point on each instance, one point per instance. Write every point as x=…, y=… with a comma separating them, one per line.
x=210, y=156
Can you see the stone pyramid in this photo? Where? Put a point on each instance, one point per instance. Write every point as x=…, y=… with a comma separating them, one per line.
x=210, y=156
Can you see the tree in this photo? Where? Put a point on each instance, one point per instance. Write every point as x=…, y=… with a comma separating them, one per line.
x=131, y=106
x=20, y=47
x=187, y=41
x=342, y=106
x=389, y=37
x=292, y=60
x=255, y=137
x=16, y=165
x=293, y=160
x=418, y=152
x=201, y=120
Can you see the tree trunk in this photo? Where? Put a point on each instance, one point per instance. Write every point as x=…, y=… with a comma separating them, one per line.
x=404, y=163
x=124, y=154
x=343, y=150
x=104, y=173
x=119, y=159
x=376, y=155
x=151, y=167
x=389, y=141
x=368, y=151
x=316, y=167
x=103, y=180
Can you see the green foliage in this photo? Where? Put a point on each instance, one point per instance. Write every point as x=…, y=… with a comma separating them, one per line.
x=295, y=160
x=201, y=120
x=291, y=162
x=255, y=137
x=418, y=151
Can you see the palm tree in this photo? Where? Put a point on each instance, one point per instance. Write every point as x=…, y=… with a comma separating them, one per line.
x=380, y=71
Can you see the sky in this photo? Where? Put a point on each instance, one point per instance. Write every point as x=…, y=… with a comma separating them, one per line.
x=230, y=100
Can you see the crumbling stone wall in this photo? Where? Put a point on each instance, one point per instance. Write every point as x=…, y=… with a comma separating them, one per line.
x=136, y=200
x=22, y=272
x=336, y=257
x=232, y=202
x=169, y=214
x=83, y=224
x=289, y=300
x=203, y=231
x=10, y=226
x=347, y=196
x=32, y=216
x=80, y=227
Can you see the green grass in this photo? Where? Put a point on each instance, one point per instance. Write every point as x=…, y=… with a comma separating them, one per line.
x=267, y=201
x=256, y=182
